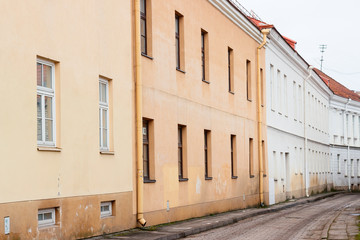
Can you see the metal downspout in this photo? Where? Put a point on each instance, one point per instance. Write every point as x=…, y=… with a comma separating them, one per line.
x=265, y=32
x=138, y=110
x=305, y=136
x=348, y=147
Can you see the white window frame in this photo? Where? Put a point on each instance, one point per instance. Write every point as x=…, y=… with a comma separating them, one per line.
x=48, y=222
x=104, y=106
x=106, y=213
x=47, y=92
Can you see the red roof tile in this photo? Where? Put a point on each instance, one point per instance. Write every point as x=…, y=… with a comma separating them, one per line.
x=336, y=87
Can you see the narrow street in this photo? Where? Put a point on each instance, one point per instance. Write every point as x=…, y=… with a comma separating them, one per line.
x=331, y=218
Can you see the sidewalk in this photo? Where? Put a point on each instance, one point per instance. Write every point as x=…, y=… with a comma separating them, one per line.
x=185, y=228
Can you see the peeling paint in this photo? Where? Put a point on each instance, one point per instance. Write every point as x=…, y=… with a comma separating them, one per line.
x=198, y=185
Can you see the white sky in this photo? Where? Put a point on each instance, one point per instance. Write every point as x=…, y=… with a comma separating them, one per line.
x=315, y=22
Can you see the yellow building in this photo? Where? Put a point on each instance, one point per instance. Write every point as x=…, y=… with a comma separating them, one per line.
x=69, y=162
x=59, y=179
x=200, y=134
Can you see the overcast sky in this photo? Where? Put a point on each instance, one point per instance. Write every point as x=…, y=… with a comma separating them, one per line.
x=316, y=22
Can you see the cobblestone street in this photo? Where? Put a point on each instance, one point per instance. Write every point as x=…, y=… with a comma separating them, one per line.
x=332, y=218
x=323, y=216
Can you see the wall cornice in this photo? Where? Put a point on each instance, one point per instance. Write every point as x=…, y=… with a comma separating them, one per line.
x=237, y=18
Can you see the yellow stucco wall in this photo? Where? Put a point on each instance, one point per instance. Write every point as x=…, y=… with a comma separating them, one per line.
x=86, y=39
x=171, y=97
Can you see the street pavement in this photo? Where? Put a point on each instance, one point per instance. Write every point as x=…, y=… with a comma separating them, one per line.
x=323, y=216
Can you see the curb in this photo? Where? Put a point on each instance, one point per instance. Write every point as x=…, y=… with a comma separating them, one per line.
x=232, y=220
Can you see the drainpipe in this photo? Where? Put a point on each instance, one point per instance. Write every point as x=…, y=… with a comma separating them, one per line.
x=138, y=110
x=305, y=134
x=348, y=146
x=265, y=32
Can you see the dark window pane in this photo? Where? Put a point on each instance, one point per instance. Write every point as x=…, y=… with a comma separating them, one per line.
x=39, y=74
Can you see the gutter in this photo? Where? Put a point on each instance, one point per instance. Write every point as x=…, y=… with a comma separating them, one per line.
x=138, y=112
x=348, y=147
x=265, y=32
x=310, y=68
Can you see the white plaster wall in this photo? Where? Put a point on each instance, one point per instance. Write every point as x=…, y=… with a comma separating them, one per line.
x=285, y=75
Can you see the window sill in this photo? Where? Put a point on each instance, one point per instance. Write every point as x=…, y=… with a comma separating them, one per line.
x=273, y=110
x=183, y=179
x=249, y=100
x=49, y=149
x=262, y=105
x=252, y=176
x=48, y=226
x=231, y=92
x=147, y=56
x=338, y=172
x=206, y=81
x=106, y=216
x=275, y=180
x=149, y=181
x=264, y=175
x=107, y=152
x=234, y=177
x=208, y=178
x=178, y=69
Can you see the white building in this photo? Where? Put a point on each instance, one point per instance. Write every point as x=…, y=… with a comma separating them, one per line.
x=344, y=135
x=298, y=143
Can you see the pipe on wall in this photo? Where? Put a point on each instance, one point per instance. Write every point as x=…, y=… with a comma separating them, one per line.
x=306, y=176
x=138, y=110
x=348, y=145
x=265, y=32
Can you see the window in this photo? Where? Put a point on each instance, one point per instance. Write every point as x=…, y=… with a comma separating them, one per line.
x=143, y=27
x=180, y=152
x=179, y=41
x=294, y=98
x=339, y=163
x=233, y=156
x=263, y=157
x=278, y=78
x=301, y=106
x=146, y=164
x=285, y=96
x=262, y=87
x=248, y=80
x=273, y=87
x=104, y=114
x=46, y=217
x=207, y=155
x=358, y=167
x=346, y=168
x=230, y=70
x=106, y=209
x=352, y=168
x=251, y=158
x=45, y=103
x=204, y=56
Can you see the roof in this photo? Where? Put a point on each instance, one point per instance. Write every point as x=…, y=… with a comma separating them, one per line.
x=336, y=87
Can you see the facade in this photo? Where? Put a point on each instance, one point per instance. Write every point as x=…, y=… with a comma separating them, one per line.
x=199, y=109
x=344, y=119
x=297, y=103
x=91, y=158
x=60, y=179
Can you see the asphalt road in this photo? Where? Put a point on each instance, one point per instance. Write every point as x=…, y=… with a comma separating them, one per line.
x=330, y=218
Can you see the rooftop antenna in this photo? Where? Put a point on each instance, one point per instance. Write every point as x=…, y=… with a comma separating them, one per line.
x=322, y=50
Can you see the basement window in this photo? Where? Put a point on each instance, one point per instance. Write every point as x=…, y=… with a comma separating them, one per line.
x=106, y=209
x=46, y=217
